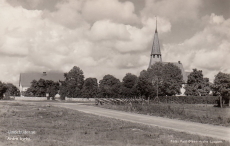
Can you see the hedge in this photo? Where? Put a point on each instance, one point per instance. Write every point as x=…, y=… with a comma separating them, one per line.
x=162, y=99
x=188, y=99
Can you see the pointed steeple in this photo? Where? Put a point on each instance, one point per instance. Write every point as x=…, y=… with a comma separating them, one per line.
x=156, y=26
x=155, y=55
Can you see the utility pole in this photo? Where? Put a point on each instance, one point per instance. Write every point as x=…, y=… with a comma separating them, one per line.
x=157, y=87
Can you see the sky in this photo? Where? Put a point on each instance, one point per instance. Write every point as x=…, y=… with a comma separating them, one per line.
x=112, y=36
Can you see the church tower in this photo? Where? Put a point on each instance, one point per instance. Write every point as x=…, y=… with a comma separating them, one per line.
x=155, y=55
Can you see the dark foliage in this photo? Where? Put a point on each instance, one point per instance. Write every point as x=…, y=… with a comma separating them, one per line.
x=172, y=80
x=109, y=86
x=3, y=89
x=197, y=85
x=12, y=90
x=74, y=81
x=129, y=86
x=221, y=86
x=160, y=79
x=145, y=86
x=90, y=88
x=41, y=87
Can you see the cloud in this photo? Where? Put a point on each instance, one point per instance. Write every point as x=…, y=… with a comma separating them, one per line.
x=107, y=37
x=207, y=50
x=107, y=30
x=120, y=12
x=176, y=10
x=68, y=14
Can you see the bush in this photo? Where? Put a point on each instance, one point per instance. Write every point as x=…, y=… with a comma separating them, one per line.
x=189, y=99
x=8, y=98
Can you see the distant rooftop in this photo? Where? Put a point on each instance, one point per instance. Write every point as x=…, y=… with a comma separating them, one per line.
x=26, y=78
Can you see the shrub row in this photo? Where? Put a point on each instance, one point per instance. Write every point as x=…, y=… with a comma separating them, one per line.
x=188, y=99
x=162, y=99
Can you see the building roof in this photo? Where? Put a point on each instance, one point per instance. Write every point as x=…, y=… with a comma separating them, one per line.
x=156, y=45
x=180, y=65
x=26, y=78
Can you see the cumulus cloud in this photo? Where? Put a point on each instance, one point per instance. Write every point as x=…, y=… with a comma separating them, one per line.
x=107, y=30
x=106, y=37
x=207, y=50
x=176, y=10
x=121, y=12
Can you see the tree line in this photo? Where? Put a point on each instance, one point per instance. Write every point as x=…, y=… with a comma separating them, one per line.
x=8, y=89
x=160, y=79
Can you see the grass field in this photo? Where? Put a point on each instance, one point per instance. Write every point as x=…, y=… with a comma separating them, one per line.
x=54, y=126
x=191, y=112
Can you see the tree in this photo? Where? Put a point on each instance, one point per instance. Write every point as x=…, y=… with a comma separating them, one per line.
x=129, y=85
x=109, y=86
x=221, y=87
x=90, y=88
x=41, y=92
x=172, y=80
x=32, y=90
x=63, y=90
x=74, y=81
x=37, y=88
x=144, y=85
x=12, y=90
x=197, y=85
x=3, y=89
x=166, y=78
x=155, y=76
x=51, y=88
x=205, y=87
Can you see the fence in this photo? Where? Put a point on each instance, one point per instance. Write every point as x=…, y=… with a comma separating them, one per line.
x=162, y=99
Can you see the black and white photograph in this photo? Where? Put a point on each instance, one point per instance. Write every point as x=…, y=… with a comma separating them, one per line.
x=114, y=72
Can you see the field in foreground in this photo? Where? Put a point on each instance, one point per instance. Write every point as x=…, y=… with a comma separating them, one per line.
x=200, y=113
x=54, y=126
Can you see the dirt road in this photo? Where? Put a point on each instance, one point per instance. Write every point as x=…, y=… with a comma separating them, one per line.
x=178, y=125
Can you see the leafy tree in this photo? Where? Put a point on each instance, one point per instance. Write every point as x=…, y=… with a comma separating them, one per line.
x=144, y=85
x=52, y=88
x=32, y=90
x=63, y=90
x=37, y=88
x=41, y=92
x=205, y=87
x=156, y=77
x=172, y=80
x=109, y=86
x=166, y=78
x=41, y=87
x=12, y=90
x=90, y=88
x=221, y=86
x=129, y=85
x=74, y=81
x=3, y=89
x=197, y=85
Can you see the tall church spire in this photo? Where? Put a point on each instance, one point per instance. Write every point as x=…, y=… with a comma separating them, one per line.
x=156, y=26
x=155, y=55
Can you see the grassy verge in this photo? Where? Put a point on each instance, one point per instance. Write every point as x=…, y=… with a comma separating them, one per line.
x=201, y=113
x=54, y=126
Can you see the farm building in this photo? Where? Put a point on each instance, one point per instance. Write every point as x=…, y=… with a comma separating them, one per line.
x=25, y=79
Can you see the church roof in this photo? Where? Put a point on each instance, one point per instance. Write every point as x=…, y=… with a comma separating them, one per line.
x=156, y=44
x=26, y=78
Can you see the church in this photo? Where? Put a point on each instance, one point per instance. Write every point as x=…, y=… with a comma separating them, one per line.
x=156, y=56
